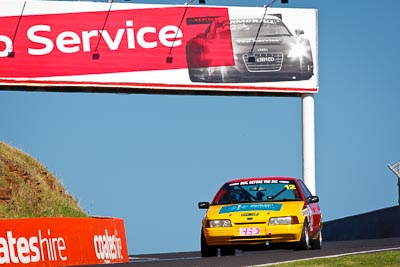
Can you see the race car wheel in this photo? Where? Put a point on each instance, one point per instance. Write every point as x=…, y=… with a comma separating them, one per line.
x=304, y=242
x=206, y=250
x=227, y=251
x=317, y=243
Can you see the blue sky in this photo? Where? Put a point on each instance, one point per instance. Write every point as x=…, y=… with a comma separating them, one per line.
x=150, y=158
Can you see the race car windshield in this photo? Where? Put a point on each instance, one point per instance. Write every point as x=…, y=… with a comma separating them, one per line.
x=249, y=30
x=258, y=191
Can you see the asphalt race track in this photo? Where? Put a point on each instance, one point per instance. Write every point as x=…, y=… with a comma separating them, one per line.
x=251, y=258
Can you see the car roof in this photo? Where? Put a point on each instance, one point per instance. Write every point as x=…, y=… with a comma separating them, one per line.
x=262, y=178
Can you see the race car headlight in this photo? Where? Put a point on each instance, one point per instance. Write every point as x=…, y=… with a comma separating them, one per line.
x=219, y=223
x=283, y=220
x=297, y=50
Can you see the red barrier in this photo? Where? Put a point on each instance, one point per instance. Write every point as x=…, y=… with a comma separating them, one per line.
x=62, y=241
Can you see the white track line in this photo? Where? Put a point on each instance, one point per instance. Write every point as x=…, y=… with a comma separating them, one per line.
x=326, y=257
x=140, y=259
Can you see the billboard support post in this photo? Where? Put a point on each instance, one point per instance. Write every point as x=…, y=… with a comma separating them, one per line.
x=308, y=141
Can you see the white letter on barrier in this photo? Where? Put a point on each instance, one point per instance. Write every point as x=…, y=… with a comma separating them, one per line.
x=23, y=250
x=4, y=255
x=96, y=247
x=35, y=253
x=61, y=247
x=11, y=242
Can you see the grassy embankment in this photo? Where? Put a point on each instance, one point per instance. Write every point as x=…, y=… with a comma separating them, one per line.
x=28, y=189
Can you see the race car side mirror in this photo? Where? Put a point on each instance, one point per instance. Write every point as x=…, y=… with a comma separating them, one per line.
x=204, y=205
x=312, y=199
x=299, y=32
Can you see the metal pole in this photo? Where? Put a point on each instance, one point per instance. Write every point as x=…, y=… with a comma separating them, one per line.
x=396, y=170
x=398, y=185
x=398, y=180
x=308, y=141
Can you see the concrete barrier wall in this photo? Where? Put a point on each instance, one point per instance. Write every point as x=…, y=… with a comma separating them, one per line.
x=50, y=242
x=382, y=223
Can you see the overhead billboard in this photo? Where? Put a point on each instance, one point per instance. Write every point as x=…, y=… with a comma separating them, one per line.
x=179, y=49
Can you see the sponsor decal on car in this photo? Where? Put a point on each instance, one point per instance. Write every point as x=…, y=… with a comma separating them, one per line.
x=250, y=214
x=249, y=231
x=249, y=207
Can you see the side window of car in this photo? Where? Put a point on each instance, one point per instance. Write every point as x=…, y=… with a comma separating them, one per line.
x=222, y=195
x=305, y=190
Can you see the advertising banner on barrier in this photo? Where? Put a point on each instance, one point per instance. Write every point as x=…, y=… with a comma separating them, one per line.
x=126, y=47
x=62, y=241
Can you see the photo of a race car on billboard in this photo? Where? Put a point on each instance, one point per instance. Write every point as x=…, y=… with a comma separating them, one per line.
x=264, y=50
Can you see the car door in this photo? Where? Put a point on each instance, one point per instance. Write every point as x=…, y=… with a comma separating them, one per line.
x=313, y=209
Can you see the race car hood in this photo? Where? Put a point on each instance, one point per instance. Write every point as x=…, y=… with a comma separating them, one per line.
x=243, y=213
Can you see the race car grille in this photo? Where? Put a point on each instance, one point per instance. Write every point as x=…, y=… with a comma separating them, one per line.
x=263, y=62
x=245, y=223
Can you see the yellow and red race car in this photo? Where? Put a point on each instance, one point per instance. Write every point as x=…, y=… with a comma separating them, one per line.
x=256, y=212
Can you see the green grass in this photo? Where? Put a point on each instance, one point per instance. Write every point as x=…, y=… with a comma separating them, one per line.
x=379, y=259
x=33, y=191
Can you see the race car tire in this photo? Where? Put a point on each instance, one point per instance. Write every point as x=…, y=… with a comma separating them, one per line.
x=206, y=250
x=304, y=242
x=317, y=243
x=227, y=251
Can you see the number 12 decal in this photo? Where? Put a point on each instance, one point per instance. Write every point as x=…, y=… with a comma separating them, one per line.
x=290, y=187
